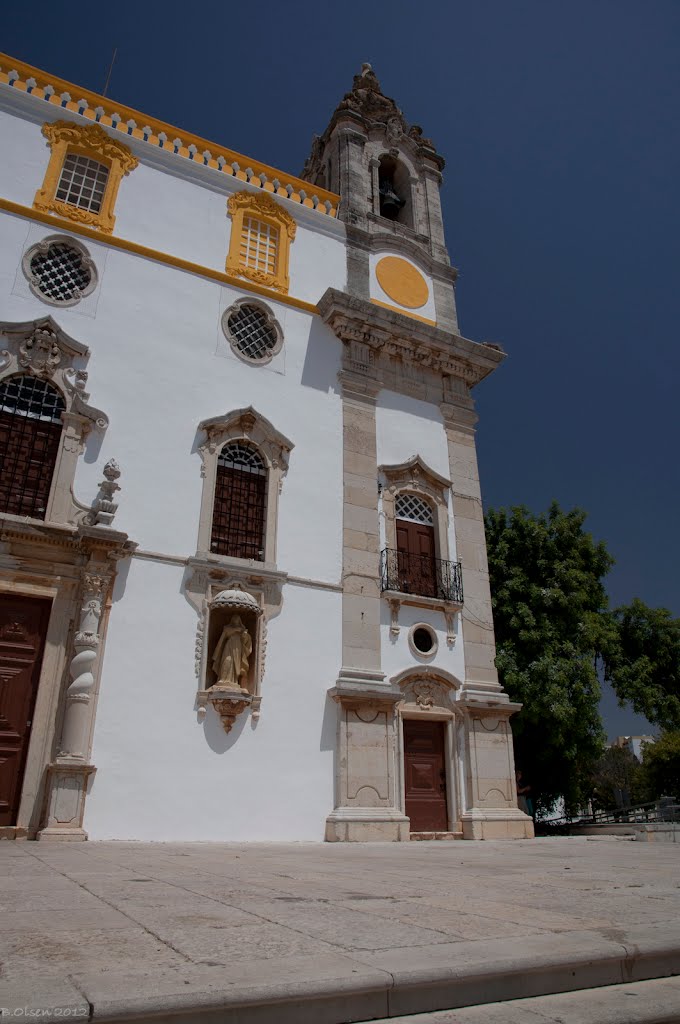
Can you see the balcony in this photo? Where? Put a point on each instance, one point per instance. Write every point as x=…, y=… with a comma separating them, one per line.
x=421, y=576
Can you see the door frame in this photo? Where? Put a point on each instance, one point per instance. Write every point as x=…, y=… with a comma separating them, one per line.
x=47, y=710
x=453, y=802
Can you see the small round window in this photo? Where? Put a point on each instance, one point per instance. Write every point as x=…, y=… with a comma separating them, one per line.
x=59, y=271
x=423, y=640
x=252, y=332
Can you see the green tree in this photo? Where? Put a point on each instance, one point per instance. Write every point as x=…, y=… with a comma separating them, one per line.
x=617, y=779
x=551, y=623
x=661, y=766
x=643, y=664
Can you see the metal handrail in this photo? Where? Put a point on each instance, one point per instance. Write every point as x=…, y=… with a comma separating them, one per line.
x=422, y=575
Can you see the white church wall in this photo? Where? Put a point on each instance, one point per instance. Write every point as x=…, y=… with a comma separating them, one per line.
x=163, y=775
x=170, y=206
x=160, y=364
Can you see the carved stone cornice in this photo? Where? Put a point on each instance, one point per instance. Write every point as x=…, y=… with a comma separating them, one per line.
x=376, y=336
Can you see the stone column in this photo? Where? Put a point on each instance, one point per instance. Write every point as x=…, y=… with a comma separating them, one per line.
x=68, y=775
x=490, y=799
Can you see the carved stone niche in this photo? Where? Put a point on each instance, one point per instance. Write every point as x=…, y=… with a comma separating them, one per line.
x=230, y=667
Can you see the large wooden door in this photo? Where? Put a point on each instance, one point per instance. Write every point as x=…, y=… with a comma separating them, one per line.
x=415, y=547
x=425, y=776
x=23, y=625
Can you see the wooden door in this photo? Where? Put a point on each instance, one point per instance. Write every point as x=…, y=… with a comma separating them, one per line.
x=23, y=625
x=415, y=547
x=425, y=776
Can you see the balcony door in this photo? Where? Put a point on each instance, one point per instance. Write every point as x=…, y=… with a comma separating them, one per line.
x=416, y=558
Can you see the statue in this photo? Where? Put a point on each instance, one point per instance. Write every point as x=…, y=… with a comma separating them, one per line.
x=231, y=657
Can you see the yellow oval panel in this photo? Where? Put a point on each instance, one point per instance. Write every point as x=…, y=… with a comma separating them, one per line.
x=403, y=283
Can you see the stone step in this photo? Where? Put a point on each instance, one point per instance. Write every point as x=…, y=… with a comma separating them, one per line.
x=419, y=837
x=645, y=1002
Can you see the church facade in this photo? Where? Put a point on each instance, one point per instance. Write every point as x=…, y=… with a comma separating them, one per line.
x=243, y=581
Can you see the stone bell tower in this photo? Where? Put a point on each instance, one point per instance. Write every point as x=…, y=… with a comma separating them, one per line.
x=388, y=176
x=396, y=320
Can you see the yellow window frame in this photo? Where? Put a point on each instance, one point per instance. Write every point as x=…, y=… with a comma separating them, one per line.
x=66, y=138
x=265, y=209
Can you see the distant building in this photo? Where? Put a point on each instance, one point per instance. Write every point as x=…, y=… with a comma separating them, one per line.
x=633, y=743
x=288, y=632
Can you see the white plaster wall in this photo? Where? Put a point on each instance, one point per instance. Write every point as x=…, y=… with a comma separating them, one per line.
x=167, y=203
x=25, y=155
x=159, y=365
x=376, y=292
x=162, y=775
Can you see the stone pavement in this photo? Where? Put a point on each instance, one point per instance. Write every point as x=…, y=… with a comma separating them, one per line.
x=323, y=934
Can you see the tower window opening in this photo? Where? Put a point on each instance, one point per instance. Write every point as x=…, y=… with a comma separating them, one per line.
x=394, y=191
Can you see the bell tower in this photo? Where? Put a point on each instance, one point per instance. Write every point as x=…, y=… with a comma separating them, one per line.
x=388, y=176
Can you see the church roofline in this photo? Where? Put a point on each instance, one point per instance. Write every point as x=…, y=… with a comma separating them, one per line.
x=57, y=94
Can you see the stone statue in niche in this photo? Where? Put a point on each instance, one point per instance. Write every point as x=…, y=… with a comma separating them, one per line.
x=231, y=658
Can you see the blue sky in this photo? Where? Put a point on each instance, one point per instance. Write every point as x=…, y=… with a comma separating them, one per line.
x=559, y=123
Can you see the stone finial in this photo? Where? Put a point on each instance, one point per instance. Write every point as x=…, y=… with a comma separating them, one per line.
x=105, y=508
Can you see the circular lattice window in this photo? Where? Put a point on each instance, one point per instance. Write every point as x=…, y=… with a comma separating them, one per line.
x=252, y=331
x=59, y=271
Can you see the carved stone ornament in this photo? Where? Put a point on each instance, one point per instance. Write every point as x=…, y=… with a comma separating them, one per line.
x=68, y=137
x=428, y=689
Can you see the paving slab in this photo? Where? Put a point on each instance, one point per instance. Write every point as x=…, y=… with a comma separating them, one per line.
x=303, y=932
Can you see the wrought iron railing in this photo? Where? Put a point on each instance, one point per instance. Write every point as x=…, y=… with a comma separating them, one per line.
x=422, y=575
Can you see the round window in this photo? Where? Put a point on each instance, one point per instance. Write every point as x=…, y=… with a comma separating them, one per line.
x=253, y=334
x=423, y=641
x=59, y=271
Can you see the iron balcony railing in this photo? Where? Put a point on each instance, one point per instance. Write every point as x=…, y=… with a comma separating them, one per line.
x=421, y=575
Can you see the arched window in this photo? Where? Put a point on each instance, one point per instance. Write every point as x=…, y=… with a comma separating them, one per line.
x=30, y=430
x=394, y=191
x=240, y=506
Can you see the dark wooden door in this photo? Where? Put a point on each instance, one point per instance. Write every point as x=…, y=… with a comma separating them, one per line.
x=425, y=776
x=23, y=625
x=415, y=547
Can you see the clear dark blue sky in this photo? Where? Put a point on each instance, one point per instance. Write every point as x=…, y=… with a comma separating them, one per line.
x=559, y=123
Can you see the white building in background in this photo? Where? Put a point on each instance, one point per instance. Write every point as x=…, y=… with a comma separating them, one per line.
x=634, y=744
x=243, y=580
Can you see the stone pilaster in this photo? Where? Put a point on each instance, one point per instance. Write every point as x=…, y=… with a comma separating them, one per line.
x=68, y=775
x=361, y=531
x=366, y=775
x=478, y=636
x=490, y=799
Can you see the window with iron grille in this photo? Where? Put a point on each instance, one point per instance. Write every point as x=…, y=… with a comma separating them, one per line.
x=240, y=506
x=413, y=509
x=59, y=272
x=82, y=182
x=30, y=431
x=252, y=332
x=259, y=245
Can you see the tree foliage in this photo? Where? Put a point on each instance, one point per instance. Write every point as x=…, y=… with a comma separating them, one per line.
x=551, y=622
x=644, y=664
x=617, y=779
x=661, y=766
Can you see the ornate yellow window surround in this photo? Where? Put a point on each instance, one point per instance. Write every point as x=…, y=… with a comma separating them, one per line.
x=261, y=234
x=67, y=139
